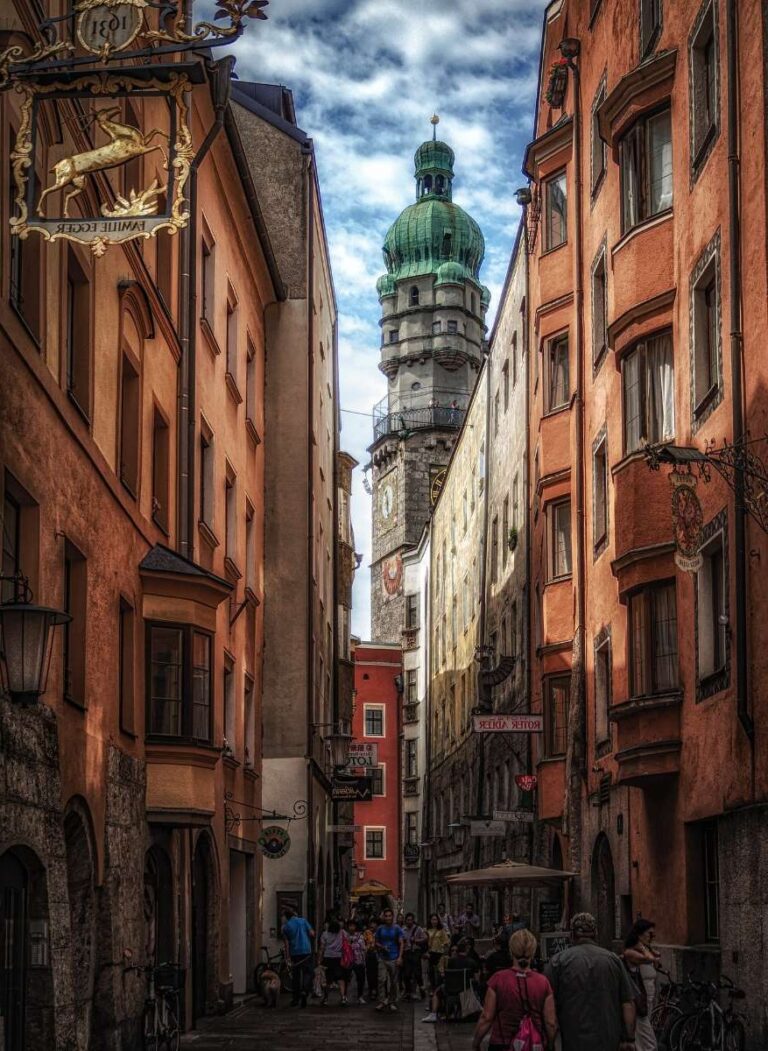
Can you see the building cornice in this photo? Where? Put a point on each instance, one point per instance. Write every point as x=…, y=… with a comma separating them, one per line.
x=552, y=141
x=614, y=113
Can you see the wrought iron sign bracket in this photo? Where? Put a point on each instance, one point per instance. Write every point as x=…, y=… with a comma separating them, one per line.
x=233, y=820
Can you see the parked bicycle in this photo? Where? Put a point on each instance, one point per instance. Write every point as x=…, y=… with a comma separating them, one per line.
x=666, y=1009
x=277, y=963
x=709, y=1026
x=160, y=1020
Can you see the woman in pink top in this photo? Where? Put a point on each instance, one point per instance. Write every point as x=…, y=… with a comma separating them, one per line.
x=513, y=993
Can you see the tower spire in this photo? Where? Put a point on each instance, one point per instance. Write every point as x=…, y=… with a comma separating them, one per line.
x=434, y=120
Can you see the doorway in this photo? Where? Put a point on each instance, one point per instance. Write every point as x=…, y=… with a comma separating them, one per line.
x=203, y=954
x=13, y=956
x=604, y=891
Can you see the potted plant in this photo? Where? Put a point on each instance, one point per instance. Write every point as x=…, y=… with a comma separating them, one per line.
x=558, y=83
x=512, y=538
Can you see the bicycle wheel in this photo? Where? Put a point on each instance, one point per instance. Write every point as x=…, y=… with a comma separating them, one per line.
x=663, y=1017
x=734, y=1035
x=684, y=1033
x=172, y=1034
x=149, y=1027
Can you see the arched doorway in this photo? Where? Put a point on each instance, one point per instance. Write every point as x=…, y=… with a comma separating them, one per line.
x=158, y=906
x=203, y=926
x=78, y=844
x=604, y=891
x=27, y=1016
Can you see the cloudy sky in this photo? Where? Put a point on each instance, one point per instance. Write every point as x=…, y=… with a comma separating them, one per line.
x=366, y=76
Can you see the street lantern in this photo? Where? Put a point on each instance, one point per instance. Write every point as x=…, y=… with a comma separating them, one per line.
x=339, y=741
x=26, y=637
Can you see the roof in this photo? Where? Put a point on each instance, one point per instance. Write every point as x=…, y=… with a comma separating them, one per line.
x=162, y=559
x=267, y=101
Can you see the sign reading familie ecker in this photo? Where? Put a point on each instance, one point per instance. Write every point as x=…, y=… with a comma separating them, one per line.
x=362, y=754
x=508, y=724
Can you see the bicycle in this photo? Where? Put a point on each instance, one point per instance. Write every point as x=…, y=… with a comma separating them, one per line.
x=277, y=963
x=160, y=1020
x=666, y=1009
x=710, y=1027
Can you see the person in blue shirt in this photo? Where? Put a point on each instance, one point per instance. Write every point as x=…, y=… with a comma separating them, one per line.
x=297, y=938
x=389, y=945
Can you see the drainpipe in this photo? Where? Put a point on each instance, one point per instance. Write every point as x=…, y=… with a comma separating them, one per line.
x=574, y=772
x=221, y=79
x=737, y=366
x=310, y=199
x=427, y=832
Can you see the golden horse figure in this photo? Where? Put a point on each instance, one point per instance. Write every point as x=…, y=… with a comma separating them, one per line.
x=126, y=142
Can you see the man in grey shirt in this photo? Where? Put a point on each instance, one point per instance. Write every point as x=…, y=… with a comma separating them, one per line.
x=593, y=994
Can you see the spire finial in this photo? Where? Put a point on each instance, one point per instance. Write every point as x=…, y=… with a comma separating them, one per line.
x=434, y=120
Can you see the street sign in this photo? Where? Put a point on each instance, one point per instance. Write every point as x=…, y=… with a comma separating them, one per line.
x=508, y=724
x=513, y=815
x=345, y=828
x=352, y=789
x=526, y=782
x=362, y=755
x=487, y=828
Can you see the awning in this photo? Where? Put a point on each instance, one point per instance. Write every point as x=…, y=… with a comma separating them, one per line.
x=517, y=872
x=371, y=888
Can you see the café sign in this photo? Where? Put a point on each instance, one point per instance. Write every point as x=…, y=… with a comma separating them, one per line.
x=508, y=724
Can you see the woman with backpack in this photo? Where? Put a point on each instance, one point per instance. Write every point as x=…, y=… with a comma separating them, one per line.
x=519, y=1007
x=334, y=955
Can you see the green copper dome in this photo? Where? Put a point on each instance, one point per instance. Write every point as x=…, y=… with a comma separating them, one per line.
x=434, y=231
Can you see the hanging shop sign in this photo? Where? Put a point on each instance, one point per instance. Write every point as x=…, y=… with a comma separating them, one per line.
x=688, y=521
x=526, y=816
x=352, y=789
x=274, y=841
x=345, y=829
x=508, y=724
x=526, y=782
x=487, y=827
x=363, y=755
x=411, y=853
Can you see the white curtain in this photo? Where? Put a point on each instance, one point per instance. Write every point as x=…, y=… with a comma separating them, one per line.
x=660, y=393
x=632, y=407
x=660, y=150
x=629, y=180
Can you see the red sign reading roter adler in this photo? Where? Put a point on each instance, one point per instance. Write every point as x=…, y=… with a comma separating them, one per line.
x=508, y=724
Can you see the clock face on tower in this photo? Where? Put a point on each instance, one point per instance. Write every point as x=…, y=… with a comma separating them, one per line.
x=437, y=481
x=386, y=500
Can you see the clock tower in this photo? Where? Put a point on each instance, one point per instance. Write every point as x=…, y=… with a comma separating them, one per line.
x=433, y=310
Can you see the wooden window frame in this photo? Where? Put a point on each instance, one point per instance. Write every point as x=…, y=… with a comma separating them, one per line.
x=187, y=679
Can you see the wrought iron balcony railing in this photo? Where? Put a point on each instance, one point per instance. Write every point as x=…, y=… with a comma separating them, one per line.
x=422, y=410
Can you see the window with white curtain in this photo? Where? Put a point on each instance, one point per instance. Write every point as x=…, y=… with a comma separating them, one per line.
x=555, y=197
x=645, y=154
x=559, y=515
x=653, y=660
x=649, y=392
x=558, y=381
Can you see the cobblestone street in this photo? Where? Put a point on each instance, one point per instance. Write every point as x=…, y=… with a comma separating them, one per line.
x=251, y=1027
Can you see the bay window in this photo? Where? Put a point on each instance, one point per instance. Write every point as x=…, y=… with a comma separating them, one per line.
x=556, y=205
x=648, y=381
x=653, y=639
x=559, y=516
x=645, y=156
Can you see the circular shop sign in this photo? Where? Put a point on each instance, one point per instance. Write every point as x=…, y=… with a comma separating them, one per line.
x=274, y=841
x=106, y=27
x=411, y=853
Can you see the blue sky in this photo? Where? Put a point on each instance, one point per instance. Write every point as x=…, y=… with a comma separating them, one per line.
x=366, y=76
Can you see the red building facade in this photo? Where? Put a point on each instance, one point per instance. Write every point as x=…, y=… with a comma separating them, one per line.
x=377, y=719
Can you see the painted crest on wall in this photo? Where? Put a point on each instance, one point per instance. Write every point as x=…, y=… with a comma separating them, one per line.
x=688, y=521
x=392, y=575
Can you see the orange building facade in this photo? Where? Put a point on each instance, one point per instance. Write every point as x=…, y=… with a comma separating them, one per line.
x=132, y=453
x=646, y=227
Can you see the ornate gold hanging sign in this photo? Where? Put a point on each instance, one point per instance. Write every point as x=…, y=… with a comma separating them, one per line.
x=688, y=521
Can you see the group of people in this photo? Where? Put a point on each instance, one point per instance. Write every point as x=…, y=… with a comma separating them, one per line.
x=595, y=999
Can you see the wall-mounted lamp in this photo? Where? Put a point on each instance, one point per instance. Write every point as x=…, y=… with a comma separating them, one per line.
x=26, y=641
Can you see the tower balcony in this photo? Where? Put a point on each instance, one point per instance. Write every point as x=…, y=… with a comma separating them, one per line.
x=423, y=410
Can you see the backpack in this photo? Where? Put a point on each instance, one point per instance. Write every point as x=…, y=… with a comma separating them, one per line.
x=528, y=1036
x=347, y=955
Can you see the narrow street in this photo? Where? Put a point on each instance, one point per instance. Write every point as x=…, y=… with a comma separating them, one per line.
x=354, y=1028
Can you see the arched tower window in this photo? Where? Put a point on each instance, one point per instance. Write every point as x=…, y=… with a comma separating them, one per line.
x=473, y=301
x=427, y=184
x=440, y=184
x=447, y=245
x=414, y=297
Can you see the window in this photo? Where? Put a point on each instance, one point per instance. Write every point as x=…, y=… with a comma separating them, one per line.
x=377, y=780
x=393, y=334
x=602, y=685
x=505, y=530
x=207, y=298
x=555, y=198
x=250, y=547
x=600, y=482
x=75, y=603
x=436, y=328
x=703, y=66
x=160, y=471
x=25, y=268
x=374, y=844
x=466, y=604
x=229, y=707
x=650, y=25
x=711, y=871
x=232, y=338
x=599, y=308
x=513, y=356
x=465, y=511
x=125, y=633
x=598, y=150
x=653, y=640
x=495, y=550
x=11, y=546
x=559, y=516
x=513, y=633
x=230, y=514
x=412, y=611
x=452, y=327
x=454, y=621
x=374, y=720
x=78, y=334
x=20, y=529
x=711, y=609
x=558, y=384
x=206, y=476
x=251, y=394
x=649, y=393
x=496, y=410
x=505, y=376
x=705, y=311
x=557, y=692
x=130, y=424
x=179, y=658
x=515, y=502
x=645, y=156
x=414, y=296
x=411, y=686
x=411, y=757
x=249, y=707
x=411, y=831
